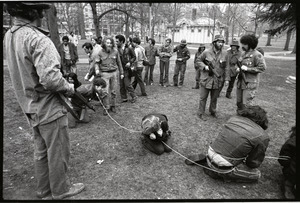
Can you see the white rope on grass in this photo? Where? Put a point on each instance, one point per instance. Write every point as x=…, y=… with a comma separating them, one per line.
x=130, y=130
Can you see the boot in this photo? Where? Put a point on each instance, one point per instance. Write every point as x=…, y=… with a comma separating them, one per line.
x=196, y=87
x=228, y=95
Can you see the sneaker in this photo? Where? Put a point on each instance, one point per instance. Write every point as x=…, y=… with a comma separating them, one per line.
x=160, y=84
x=174, y=85
x=144, y=94
x=74, y=190
x=196, y=87
x=214, y=115
x=43, y=194
x=134, y=99
x=113, y=109
x=124, y=100
x=179, y=86
x=151, y=83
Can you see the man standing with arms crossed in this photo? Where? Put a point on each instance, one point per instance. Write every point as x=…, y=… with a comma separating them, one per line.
x=127, y=57
x=209, y=80
x=165, y=53
x=34, y=66
x=252, y=64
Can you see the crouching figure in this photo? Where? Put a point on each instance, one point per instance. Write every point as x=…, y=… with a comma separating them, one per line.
x=155, y=130
x=239, y=149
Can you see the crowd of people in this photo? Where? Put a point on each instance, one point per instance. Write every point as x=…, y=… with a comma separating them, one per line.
x=45, y=77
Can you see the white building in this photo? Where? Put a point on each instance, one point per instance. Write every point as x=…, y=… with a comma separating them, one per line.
x=197, y=31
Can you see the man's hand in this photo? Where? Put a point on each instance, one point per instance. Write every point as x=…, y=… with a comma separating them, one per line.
x=206, y=68
x=159, y=132
x=127, y=65
x=122, y=76
x=152, y=136
x=226, y=83
x=86, y=77
x=97, y=72
x=180, y=59
x=71, y=92
x=244, y=68
x=238, y=70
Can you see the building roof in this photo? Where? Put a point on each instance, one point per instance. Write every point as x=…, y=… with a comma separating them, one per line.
x=199, y=22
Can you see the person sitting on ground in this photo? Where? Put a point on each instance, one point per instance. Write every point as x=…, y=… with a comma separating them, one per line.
x=239, y=149
x=155, y=130
x=288, y=150
x=88, y=91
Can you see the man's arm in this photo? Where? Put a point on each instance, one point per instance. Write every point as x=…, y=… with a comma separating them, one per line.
x=132, y=56
x=47, y=62
x=259, y=65
x=119, y=63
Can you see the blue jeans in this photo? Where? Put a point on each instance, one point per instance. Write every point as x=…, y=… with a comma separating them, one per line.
x=179, y=68
x=164, y=72
x=51, y=156
x=126, y=86
x=138, y=79
x=149, y=80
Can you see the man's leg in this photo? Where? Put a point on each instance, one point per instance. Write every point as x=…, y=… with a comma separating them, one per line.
x=182, y=73
x=243, y=174
x=161, y=74
x=127, y=85
x=153, y=146
x=151, y=74
x=140, y=80
x=106, y=98
x=146, y=79
x=197, y=78
x=166, y=77
x=249, y=94
x=176, y=73
x=55, y=136
x=203, y=98
x=239, y=98
x=113, y=84
x=123, y=91
x=230, y=87
x=214, y=94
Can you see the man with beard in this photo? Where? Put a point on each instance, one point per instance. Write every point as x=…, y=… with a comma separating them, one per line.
x=183, y=54
x=68, y=55
x=34, y=67
x=140, y=56
x=209, y=82
x=233, y=54
x=165, y=53
x=253, y=63
x=197, y=55
x=107, y=68
x=151, y=52
x=127, y=57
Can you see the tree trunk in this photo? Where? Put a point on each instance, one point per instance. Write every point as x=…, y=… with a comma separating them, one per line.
x=294, y=50
x=95, y=19
x=127, y=26
x=288, y=38
x=174, y=23
x=269, y=40
x=52, y=25
x=81, y=21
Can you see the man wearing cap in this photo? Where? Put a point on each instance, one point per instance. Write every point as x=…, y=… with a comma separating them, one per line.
x=69, y=56
x=34, y=66
x=165, y=53
x=233, y=54
x=197, y=55
x=253, y=63
x=209, y=82
x=183, y=54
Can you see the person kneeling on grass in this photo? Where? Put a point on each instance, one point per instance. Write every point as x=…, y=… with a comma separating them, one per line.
x=88, y=91
x=155, y=130
x=239, y=149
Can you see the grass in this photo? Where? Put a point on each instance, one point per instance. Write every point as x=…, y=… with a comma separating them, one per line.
x=129, y=171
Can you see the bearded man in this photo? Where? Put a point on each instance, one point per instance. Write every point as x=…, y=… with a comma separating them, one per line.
x=107, y=67
x=209, y=82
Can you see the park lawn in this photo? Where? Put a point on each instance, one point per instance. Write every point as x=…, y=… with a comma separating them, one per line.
x=129, y=171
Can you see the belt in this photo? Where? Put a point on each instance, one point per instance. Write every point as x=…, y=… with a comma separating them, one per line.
x=220, y=167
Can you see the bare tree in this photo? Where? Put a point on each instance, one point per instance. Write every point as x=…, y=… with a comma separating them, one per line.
x=52, y=24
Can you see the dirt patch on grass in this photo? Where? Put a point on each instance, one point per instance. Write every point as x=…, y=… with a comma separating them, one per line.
x=129, y=171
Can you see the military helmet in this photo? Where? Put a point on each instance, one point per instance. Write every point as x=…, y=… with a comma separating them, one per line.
x=235, y=43
x=219, y=38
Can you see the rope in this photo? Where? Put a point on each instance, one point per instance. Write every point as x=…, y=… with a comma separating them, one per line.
x=130, y=130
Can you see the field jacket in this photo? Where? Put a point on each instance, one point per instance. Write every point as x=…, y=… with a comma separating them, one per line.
x=182, y=53
x=231, y=61
x=256, y=64
x=151, y=52
x=127, y=55
x=34, y=67
x=242, y=139
x=72, y=49
x=218, y=59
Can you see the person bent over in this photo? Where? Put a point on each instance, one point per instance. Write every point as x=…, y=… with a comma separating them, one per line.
x=240, y=147
x=288, y=151
x=155, y=130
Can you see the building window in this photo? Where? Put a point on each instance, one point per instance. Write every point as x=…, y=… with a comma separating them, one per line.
x=199, y=30
x=192, y=30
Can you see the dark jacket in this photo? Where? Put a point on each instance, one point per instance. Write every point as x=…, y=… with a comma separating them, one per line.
x=165, y=52
x=182, y=53
x=218, y=59
x=127, y=55
x=242, y=139
x=151, y=52
x=73, y=52
x=231, y=61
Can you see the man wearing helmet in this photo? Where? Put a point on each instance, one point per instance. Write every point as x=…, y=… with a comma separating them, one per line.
x=34, y=66
x=209, y=81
